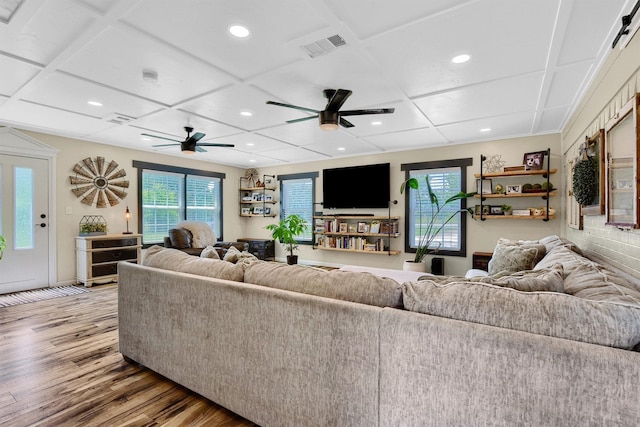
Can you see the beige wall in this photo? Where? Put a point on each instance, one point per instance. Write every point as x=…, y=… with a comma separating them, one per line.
x=616, y=83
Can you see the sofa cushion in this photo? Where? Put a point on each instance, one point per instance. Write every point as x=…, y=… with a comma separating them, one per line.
x=512, y=256
x=201, y=232
x=595, y=282
x=176, y=260
x=235, y=256
x=360, y=287
x=549, y=280
x=545, y=313
x=210, y=252
x=180, y=238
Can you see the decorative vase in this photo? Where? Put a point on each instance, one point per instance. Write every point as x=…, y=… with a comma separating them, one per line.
x=414, y=266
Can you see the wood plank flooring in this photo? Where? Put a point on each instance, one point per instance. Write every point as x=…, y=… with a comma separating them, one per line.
x=60, y=366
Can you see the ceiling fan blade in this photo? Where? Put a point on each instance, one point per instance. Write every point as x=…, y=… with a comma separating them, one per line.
x=338, y=99
x=206, y=144
x=165, y=145
x=363, y=112
x=160, y=137
x=292, y=106
x=345, y=123
x=200, y=149
x=302, y=119
x=197, y=136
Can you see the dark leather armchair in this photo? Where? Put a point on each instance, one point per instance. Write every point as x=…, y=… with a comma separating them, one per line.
x=182, y=239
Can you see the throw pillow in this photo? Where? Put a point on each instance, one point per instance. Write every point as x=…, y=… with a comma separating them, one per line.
x=209, y=252
x=176, y=260
x=232, y=255
x=544, y=313
x=201, y=232
x=513, y=258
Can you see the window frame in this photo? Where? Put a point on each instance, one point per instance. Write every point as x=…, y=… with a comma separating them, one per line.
x=295, y=176
x=185, y=172
x=462, y=164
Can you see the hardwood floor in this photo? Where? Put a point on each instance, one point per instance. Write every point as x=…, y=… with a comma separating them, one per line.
x=60, y=366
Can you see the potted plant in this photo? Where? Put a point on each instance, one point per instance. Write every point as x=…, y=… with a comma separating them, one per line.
x=433, y=227
x=3, y=245
x=507, y=209
x=286, y=231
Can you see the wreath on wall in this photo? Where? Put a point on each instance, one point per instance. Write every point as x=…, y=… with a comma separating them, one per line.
x=585, y=184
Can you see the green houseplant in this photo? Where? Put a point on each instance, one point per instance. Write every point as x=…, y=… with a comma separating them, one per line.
x=3, y=245
x=433, y=227
x=286, y=231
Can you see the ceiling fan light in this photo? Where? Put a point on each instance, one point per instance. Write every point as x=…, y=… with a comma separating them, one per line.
x=328, y=120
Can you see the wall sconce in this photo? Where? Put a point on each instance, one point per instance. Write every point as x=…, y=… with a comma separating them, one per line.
x=127, y=217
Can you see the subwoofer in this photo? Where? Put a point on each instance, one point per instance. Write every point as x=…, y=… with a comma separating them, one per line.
x=437, y=266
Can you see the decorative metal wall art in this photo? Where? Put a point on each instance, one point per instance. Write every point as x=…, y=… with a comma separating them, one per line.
x=99, y=181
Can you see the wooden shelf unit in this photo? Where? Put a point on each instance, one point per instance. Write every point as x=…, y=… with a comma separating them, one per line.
x=331, y=235
x=253, y=200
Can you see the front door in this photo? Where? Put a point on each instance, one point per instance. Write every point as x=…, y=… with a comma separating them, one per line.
x=24, y=222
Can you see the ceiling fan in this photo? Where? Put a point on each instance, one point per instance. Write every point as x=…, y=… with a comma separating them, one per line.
x=331, y=116
x=189, y=145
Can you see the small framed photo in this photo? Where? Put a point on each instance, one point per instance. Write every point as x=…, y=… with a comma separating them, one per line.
x=268, y=198
x=375, y=227
x=344, y=227
x=363, y=227
x=352, y=228
x=514, y=189
x=245, y=211
x=319, y=228
x=484, y=187
x=267, y=211
x=622, y=184
x=533, y=161
x=257, y=197
x=258, y=210
x=495, y=210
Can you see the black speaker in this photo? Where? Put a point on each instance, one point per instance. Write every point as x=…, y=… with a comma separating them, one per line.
x=437, y=266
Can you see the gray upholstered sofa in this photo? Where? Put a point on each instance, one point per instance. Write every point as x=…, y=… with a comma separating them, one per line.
x=306, y=347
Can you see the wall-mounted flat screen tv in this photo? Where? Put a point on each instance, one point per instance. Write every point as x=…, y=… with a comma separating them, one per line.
x=356, y=187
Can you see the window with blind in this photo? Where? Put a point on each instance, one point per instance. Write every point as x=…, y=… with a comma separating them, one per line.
x=297, y=196
x=447, y=178
x=168, y=195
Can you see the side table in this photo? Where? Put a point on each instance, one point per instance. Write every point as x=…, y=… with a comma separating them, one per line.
x=481, y=260
x=263, y=249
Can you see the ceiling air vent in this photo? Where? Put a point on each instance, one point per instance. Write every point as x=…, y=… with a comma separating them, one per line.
x=119, y=119
x=324, y=46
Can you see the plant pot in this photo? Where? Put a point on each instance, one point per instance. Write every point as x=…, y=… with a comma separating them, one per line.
x=292, y=259
x=414, y=266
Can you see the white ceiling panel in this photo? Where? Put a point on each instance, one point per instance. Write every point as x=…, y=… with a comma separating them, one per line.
x=483, y=100
x=45, y=34
x=531, y=62
x=107, y=61
x=418, y=56
x=205, y=32
x=20, y=74
x=73, y=94
x=408, y=140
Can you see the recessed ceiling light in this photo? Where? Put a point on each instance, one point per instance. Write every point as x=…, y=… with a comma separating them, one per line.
x=461, y=59
x=250, y=144
x=246, y=113
x=341, y=148
x=239, y=31
x=376, y=123
x=144, y=138
x=95, y=103
x=252, y=161
x=485, y=130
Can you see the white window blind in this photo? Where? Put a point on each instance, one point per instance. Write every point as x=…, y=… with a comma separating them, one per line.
x=296, y=197
x=203, y=200
x=162, y=204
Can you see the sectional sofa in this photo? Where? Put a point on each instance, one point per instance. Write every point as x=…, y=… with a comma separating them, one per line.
x=553, y=344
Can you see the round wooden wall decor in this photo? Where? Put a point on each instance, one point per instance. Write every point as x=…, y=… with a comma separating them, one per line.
x=99, y=181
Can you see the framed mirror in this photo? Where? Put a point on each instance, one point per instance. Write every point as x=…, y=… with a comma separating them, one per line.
x=622, y=148
x=594, y=148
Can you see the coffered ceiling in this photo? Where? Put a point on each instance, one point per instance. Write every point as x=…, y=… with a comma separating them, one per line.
x=530, y=63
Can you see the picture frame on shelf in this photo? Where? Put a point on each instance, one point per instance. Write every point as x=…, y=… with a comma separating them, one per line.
x=258, y=210
x=534, y=160
x=486, y=210
x=352, y=228
x=484, y=186
x=375, y=227
x=268, y=198
x=344, y=227
x=496, y=210
x=514, y=189
x=267, y=211
x=245, y=211
x=363, y=227
x=319, y=229
x=256, y=197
